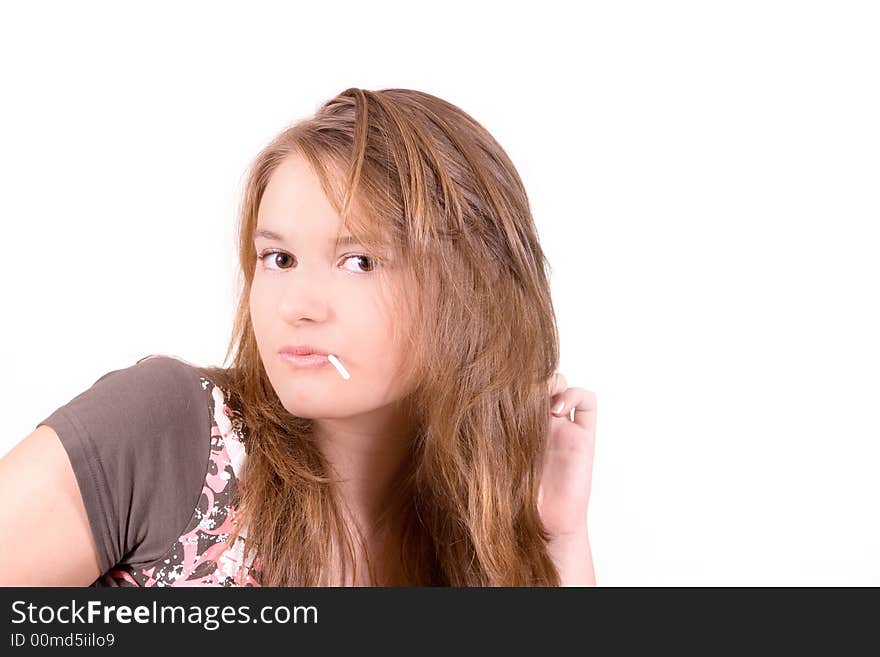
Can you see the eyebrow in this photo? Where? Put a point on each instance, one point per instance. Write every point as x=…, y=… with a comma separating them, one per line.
x=271, y=235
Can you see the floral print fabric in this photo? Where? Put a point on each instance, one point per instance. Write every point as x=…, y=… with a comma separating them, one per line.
x=201, y=555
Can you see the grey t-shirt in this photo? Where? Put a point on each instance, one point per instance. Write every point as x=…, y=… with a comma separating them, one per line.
x=156, y=459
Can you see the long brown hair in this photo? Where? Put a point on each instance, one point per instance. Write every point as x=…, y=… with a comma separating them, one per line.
x=410, y=172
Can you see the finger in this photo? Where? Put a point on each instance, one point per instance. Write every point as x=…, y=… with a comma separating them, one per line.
x=585, y=412
x=583, y=402
x=556, y=384
x=561, y=404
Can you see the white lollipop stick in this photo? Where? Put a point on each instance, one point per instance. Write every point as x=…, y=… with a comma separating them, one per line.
x=342, y=371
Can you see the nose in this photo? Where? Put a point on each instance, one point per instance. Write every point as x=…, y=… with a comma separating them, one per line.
x=303, y=297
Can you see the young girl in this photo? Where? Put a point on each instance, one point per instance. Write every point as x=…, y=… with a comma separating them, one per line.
x=427, y=439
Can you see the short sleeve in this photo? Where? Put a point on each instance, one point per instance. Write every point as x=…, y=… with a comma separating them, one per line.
x=139, y=442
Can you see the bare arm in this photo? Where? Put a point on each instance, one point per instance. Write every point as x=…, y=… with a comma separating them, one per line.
x=46, y=538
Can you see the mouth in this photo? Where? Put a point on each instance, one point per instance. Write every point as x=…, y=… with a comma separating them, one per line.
x=304, y=360
x=302, y=350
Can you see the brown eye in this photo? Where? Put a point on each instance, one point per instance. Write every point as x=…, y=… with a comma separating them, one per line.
x=364, y=261
x=273, y=256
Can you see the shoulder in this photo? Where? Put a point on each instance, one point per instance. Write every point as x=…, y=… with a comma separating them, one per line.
x=140, y=400
x=161, y=369
x=154, y=375
x=139, y=441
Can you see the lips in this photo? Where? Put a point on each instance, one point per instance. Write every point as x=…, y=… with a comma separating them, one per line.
x=304, y=360
x=303, y=350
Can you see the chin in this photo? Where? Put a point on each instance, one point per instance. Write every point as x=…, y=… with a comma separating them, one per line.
x=307, y=409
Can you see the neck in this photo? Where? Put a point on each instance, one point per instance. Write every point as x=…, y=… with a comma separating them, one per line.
x=366, y=453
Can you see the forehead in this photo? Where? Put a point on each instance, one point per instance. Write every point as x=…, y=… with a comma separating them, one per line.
x=294, y=195
x=295, y=203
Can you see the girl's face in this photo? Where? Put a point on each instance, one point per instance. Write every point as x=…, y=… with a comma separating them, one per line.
x=305, y=292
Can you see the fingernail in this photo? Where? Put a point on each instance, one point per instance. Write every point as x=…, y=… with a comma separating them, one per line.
x=559, y=407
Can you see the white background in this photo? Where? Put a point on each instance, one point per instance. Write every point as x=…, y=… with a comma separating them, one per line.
x=704, y=177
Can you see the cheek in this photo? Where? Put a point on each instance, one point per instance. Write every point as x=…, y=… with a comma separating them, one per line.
x=368, y=340
x=374, y=344
x=256, y=310
x=260, y=314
